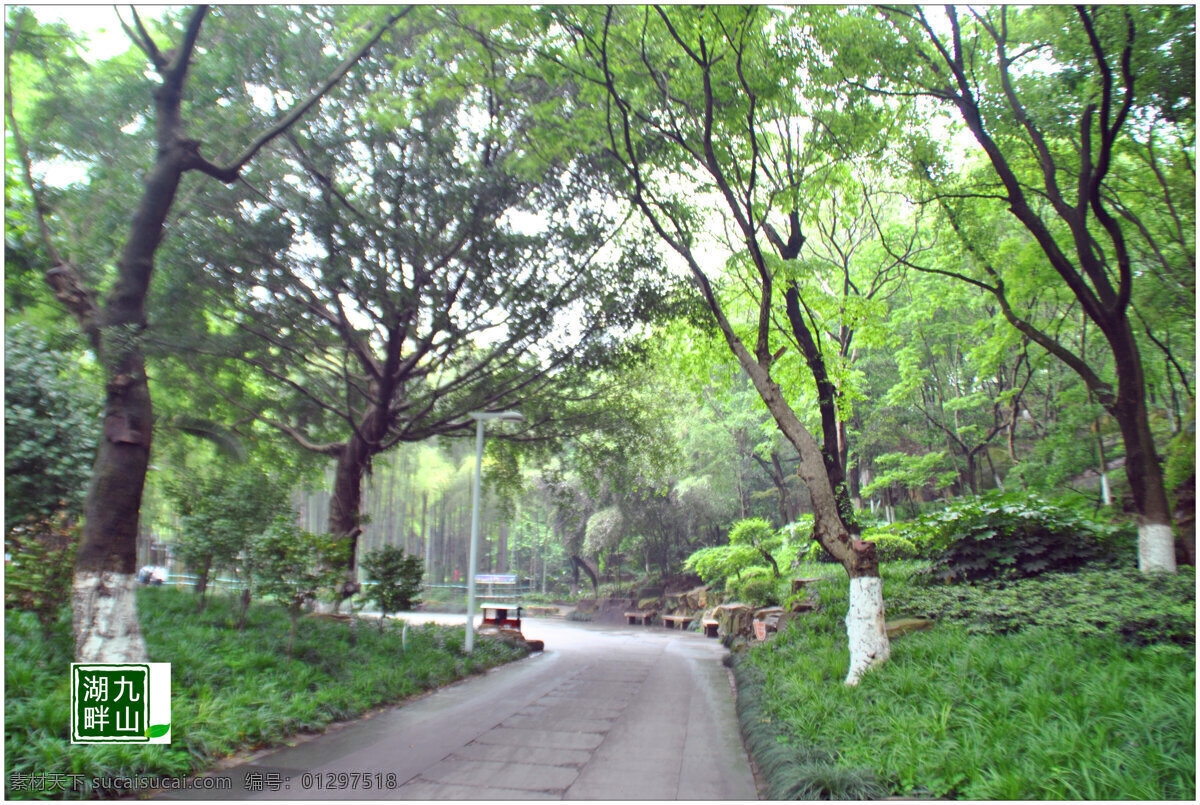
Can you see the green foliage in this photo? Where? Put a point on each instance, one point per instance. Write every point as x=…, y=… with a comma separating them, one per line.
x=1181, y=455
x=890, y=547
x=757, y=533
x=911, y=472
x=232, y=690
x=222, y=507
x=956, y=715
x=38, y=578
x=758, y=590
x=792, y=771
x=292, y=565
x=1115, y=604
x=722, y=562
x=51, y=424
x=1013, y=535
x=395, y=580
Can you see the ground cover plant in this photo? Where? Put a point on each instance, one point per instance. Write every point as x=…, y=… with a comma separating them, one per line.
x=231, y=689
x=1039, y=711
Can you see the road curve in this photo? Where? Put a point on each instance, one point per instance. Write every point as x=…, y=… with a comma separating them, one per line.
x=605, y=713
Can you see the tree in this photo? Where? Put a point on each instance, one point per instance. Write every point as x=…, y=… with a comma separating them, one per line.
x=396, y=577
x=106, y=625
x=292, y=566
x=419, y=264
x=1058, y=136
x=706, y=98
x=222, y=507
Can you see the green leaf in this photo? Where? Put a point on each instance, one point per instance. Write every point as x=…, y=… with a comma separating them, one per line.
x=158, y=730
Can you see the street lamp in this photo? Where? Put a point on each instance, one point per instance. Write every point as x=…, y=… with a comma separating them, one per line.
x=480, y=417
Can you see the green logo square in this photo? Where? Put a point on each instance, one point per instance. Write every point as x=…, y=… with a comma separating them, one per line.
x=110, y=703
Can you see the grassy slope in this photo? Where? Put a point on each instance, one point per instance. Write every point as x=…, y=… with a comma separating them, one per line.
x=231, y=689
x=1037, y=714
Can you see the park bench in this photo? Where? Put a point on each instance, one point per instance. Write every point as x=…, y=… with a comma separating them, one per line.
x=643, y=618
x=670, y=621
x=710, y=627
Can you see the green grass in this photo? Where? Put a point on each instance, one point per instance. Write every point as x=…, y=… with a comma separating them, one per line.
x=231, y=689
x=1040, y=713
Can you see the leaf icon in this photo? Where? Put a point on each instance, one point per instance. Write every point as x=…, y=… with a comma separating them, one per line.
x=158, y=730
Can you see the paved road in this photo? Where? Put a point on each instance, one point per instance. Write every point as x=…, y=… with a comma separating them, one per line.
x=610, y=713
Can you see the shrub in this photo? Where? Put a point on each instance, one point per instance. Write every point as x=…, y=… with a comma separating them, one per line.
x=293, y=565
x=721, y=562
x=51, y=424
x=760, y=590
x=891, y=546
x=994, y=536
x=1125, y=604
x=396, y=580
x=815, y=553
x=221, y=511
x=39, y=577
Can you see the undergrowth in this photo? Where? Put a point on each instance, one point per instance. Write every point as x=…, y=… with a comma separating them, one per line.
x=230, y=689
x=1068, y=704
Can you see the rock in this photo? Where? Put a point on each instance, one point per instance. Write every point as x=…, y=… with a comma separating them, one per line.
x=903, y=626
x=694, y=600
x=734, y=620
x=647, y=604
x=585, y=605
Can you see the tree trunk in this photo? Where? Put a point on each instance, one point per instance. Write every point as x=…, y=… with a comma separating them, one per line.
x=578, y=563
x=865, y=630
x=105, y=611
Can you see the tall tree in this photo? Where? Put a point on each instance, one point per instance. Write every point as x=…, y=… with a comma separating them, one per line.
x=416, y=262
x=1063, y=103
x=706, y=98
x=105, y=615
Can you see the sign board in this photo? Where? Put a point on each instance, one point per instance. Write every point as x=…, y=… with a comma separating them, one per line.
x=495, y=578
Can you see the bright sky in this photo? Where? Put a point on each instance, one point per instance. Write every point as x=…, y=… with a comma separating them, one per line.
x=98, y=23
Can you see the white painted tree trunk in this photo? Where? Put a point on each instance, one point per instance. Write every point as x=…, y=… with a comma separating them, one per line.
x=1156, y=548
x=1105, y=489
x=865, y=629
x=105, y=618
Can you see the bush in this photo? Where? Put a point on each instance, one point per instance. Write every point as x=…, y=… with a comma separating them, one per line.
x=1012, y=536
x=221, y=511
x=292, y=565
x=760, y=590
x=40, y=574
x=396, y=580
x=1123, y=604
x=51, y=425
x=891, y=545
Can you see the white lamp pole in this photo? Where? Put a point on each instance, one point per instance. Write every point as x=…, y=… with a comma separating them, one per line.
x=480, y=417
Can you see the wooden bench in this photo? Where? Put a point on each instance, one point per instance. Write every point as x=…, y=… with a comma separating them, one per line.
x=710, y=627
x=670, y=621
x=643, y=618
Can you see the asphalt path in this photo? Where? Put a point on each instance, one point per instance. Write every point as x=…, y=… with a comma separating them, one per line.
x=604, y=713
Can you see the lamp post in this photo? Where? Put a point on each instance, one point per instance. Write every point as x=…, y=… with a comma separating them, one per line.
x=480, y=417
